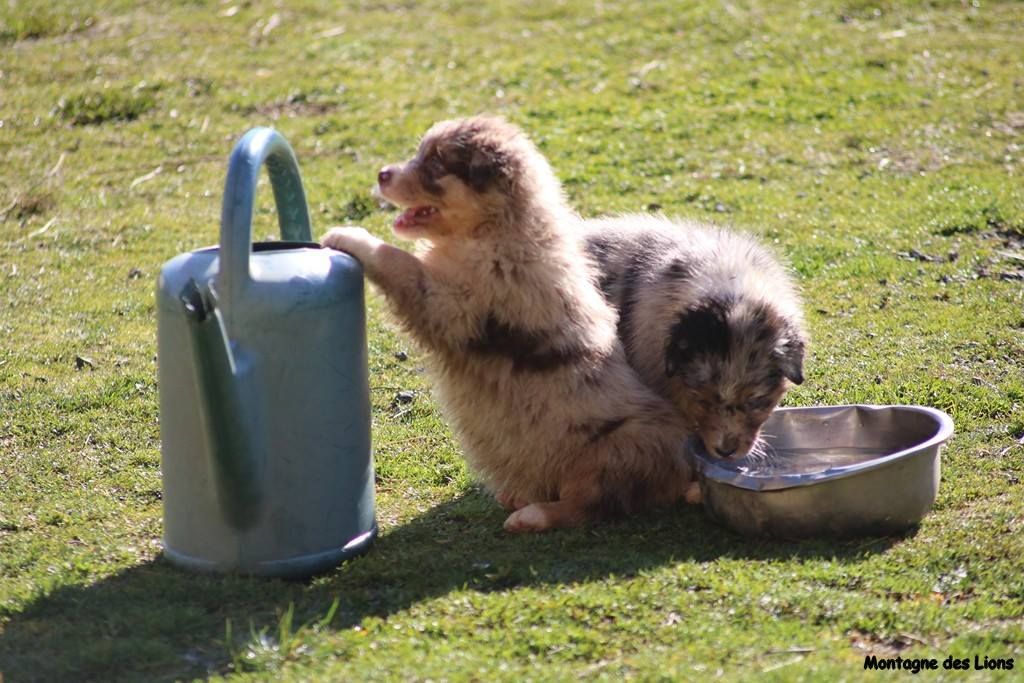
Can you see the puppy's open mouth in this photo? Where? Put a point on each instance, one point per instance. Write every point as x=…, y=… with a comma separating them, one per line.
x=413, y=216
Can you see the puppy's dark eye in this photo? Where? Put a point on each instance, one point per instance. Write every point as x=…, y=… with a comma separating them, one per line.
x=434, y=166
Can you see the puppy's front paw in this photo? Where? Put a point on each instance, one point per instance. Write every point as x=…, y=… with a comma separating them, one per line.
x=693, y=495
x=510, y=501
x=355, y=241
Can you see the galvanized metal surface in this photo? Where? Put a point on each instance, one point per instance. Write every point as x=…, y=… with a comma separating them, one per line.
x=264, y=399
x=831, y=471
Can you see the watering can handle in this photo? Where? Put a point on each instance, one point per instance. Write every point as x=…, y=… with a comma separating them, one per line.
x=257, y=146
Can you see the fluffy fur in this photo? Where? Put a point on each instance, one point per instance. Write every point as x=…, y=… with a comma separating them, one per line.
x=709, y=319
x=521, y=344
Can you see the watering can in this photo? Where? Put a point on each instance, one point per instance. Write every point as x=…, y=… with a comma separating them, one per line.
x=264, y=401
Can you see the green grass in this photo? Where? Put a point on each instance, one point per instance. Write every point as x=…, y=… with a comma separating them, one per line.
x=877, y=145
x=101, y=106
x=21, y=20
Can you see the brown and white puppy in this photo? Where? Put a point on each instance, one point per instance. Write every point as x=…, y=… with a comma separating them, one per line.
x=522, y=345
x=709, y=318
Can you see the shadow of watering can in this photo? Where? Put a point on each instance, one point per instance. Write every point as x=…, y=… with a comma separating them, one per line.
x=264, y=402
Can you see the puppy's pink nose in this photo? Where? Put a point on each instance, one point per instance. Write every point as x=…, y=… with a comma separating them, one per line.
x=384, y=176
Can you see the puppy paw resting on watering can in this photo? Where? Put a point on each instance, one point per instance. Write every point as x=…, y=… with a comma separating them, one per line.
x=264, y=401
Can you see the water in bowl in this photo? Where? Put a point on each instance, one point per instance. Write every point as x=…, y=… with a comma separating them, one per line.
x=792, y=460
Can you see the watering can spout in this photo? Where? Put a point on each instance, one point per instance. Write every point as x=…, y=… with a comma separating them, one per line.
x=228, y=408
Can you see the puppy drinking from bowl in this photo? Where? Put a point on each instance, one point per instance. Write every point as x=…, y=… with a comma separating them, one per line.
x=709, y=319
x=521, y=344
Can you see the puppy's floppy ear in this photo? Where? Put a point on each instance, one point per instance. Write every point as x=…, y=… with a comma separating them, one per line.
x=471, y=161
x=482, y=168
x=789, y=352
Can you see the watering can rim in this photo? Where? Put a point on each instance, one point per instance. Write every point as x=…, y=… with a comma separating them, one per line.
x=266, y=246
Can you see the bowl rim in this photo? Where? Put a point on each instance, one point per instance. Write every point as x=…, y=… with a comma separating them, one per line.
x=712, y=471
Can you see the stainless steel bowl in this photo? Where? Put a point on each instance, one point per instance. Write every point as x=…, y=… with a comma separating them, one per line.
x=831, y=471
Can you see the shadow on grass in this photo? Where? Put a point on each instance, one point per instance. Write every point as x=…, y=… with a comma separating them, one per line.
x=154, y=622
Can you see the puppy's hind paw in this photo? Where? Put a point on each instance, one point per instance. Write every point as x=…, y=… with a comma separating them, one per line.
x=529, y=519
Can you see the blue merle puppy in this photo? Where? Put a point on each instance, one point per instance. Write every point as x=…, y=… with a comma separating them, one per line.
x=709, y=318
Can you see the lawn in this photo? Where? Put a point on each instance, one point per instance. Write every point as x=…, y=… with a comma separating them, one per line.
x=876, y=144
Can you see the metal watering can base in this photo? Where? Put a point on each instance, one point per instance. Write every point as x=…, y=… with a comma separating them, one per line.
x=264, y=399
x=292, y=567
